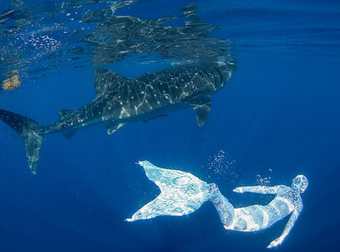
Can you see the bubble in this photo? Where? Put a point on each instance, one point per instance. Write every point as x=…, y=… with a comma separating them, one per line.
x=220, y=164
x=264, y=179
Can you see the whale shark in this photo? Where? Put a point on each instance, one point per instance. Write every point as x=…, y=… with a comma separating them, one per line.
x=120, y=100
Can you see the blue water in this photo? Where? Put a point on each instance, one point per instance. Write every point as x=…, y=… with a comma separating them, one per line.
x=277, y=117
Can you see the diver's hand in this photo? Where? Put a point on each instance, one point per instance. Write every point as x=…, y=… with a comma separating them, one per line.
x=275, y=243
x=238, y=190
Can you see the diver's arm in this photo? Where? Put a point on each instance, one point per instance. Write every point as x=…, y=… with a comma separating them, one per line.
x=259, y=189
x=288, y=227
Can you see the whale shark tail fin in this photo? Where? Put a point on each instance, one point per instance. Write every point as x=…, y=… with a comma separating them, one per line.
x=27, y=129
x=181, y=193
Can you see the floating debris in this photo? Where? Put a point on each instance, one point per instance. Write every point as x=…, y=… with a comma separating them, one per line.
x=11, y=82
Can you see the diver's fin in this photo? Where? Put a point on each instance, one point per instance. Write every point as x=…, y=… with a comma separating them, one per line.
x=181, y=193
x=201, y=105
x=105, y=79
x=26, y=128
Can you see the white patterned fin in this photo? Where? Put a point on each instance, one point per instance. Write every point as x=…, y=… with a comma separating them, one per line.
x=181, y=193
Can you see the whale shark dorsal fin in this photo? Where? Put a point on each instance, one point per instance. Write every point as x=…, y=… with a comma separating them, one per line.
x=106, y=80
x=64, y=112
x=201, y=105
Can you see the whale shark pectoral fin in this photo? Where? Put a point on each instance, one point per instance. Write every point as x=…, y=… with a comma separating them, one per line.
x=201, y=105
x=113, y=127
x=202, y=113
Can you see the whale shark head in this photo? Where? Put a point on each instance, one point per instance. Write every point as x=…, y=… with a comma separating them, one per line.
x=226, y=69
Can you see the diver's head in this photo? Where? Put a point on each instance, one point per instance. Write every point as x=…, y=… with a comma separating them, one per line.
x=300, y=183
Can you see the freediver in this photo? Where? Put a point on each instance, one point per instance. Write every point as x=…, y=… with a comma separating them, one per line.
x=257, y=217
x=182, y=193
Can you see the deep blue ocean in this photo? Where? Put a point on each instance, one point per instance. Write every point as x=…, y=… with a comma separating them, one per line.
x=278, y=117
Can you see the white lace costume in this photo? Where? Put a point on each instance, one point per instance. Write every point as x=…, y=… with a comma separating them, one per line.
x=182, y=193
